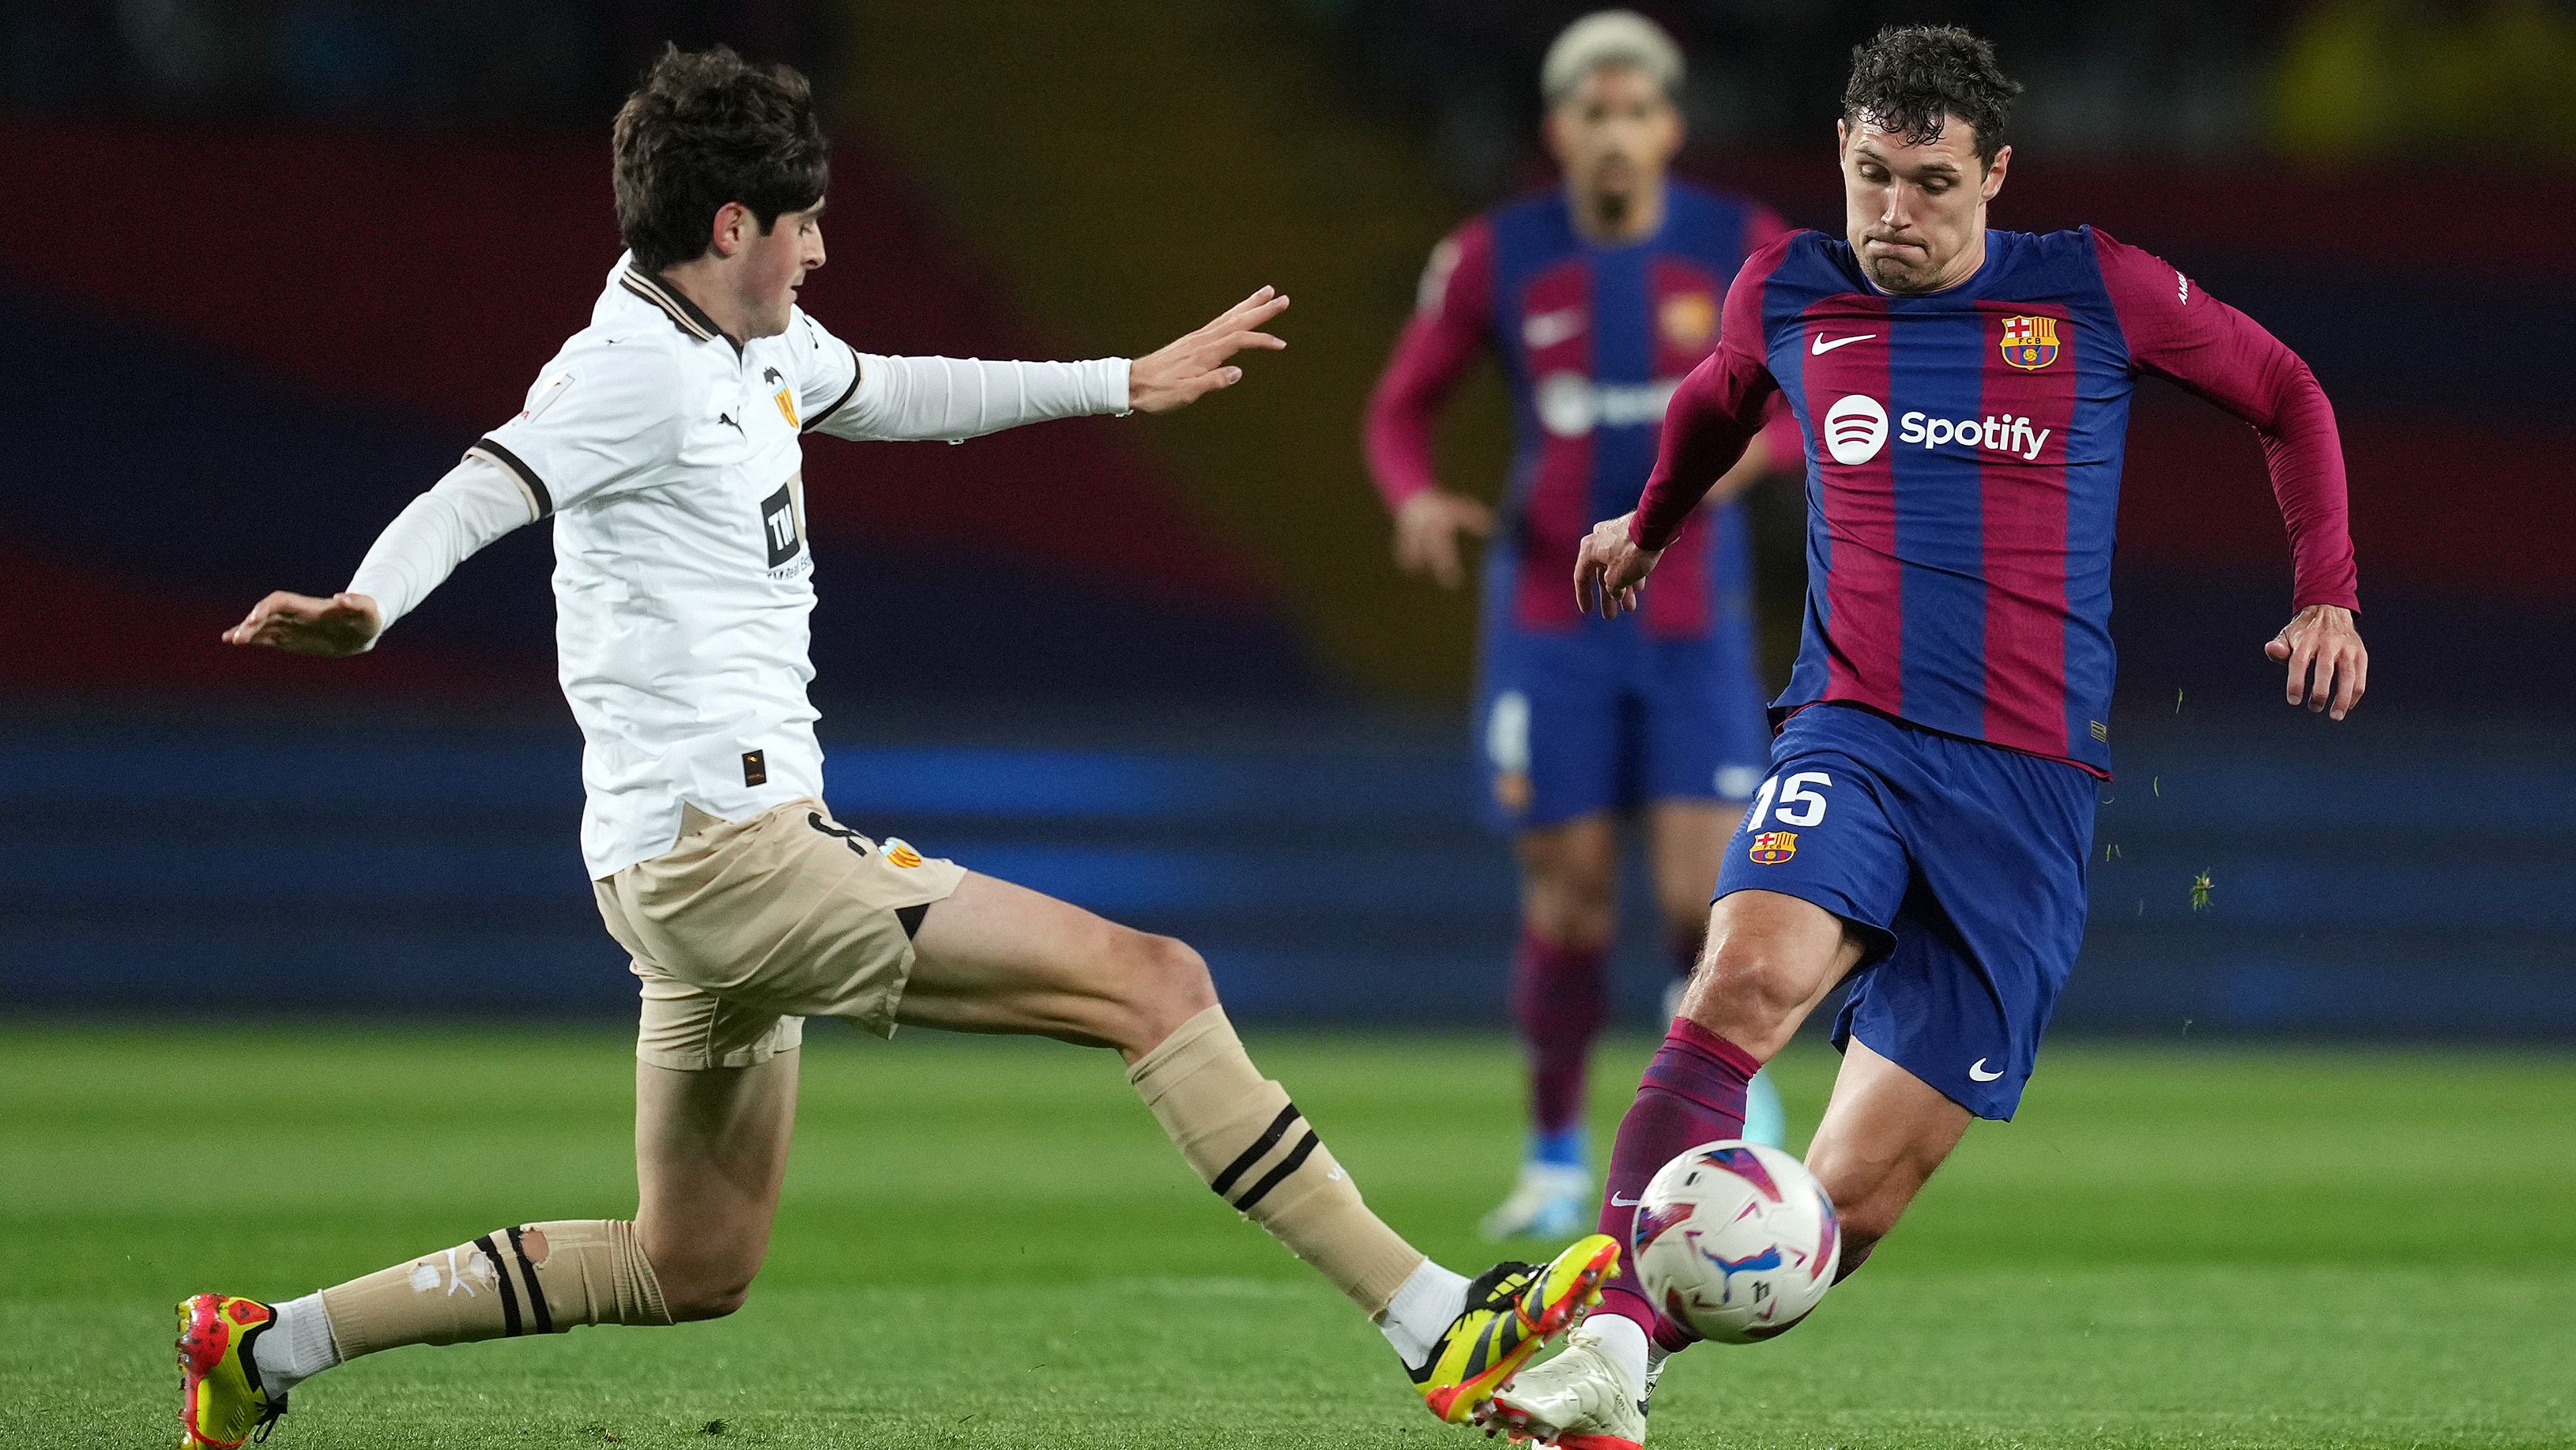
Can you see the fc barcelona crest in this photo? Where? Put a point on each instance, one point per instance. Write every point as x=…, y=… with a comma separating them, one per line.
x=2030, y=343
x=1770, y=848
x=1689, y=321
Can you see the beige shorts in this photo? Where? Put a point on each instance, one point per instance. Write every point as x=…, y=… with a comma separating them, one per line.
x=745, y=928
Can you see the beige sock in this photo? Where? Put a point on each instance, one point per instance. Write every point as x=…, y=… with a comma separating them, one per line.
x=538, y=1278
x=1238, y=1129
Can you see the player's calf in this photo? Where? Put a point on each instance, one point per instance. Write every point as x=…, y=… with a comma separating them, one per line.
x=1254, y=1148
x=1884, y=1134
x=1867, y=1209
x=537, y=1278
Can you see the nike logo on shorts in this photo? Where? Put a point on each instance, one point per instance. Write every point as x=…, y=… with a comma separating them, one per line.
x=1977, y=1072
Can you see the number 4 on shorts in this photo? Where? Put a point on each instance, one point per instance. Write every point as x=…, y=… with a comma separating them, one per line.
x=1799, y=805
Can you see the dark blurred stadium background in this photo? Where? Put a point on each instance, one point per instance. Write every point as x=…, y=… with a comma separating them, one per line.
x=272, y=265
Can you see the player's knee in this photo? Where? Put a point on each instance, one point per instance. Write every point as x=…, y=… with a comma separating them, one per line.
x=1571, y=926
x=1168, y=984
x=707, y=1304
x=1572, y=909
x=707, y=1292
x=1749, y=994
x=1569, y=887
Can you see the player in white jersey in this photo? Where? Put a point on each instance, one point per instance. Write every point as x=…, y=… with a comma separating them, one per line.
x=665, y=442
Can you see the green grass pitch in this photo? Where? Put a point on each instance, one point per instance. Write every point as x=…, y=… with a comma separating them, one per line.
x=987, y=1243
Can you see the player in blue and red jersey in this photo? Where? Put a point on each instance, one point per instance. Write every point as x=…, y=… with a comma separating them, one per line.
x=1597, y=297
x=1964, y=397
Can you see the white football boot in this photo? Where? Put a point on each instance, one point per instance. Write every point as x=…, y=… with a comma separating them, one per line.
x=1551, y=1201
x=1580, y=1400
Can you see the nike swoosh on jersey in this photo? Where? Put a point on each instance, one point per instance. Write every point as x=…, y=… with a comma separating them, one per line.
x=1547, y=329
x=1819, y=347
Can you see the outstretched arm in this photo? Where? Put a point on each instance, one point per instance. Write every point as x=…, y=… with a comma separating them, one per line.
x=953, y=399
x=473, y=505
x=2176, y=330
x=1195, y=364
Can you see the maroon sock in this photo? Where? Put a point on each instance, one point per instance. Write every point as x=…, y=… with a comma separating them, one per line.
x=1559, y=998
x=1693, y=1093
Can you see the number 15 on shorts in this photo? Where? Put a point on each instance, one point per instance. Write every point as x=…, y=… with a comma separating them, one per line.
x=1787, y=800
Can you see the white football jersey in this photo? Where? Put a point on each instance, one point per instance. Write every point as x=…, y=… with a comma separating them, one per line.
x=671, y=462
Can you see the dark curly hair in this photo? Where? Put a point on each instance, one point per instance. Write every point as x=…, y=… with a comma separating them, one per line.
x=708, y=127
x=1909, y=79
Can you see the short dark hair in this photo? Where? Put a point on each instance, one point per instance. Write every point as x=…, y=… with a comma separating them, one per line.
x=708, y=127
x=1908, y=78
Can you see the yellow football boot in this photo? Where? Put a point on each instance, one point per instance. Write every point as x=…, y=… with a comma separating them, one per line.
x=221, y=1402
x=1513, y=1311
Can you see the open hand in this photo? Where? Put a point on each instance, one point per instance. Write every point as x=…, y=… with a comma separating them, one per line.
x=1195, y=366
x=1609, y=568
x=343, y=624
x=2322, y=638
x=1426, y=534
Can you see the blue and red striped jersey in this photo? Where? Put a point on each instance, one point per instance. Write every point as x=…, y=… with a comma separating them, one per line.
x=1592, y=340
x=1963, y=468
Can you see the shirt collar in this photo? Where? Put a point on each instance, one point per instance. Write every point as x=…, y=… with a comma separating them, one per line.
x=675, y=304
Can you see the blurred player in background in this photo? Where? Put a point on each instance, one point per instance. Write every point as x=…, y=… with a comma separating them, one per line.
x=1923, y=831
x=666, y=442
x=1596, y=297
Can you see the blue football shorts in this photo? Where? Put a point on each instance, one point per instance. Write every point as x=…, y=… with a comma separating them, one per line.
x=1608, y=718
x=1962, y=862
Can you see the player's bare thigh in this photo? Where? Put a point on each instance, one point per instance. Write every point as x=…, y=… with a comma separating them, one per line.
x=1684, y=841
x=1884, y=1132
x=1769, y=959
x=995, y=957
x=1570, y=880
x=710, y=1156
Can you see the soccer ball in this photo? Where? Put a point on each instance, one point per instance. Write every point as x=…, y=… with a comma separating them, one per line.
x=1735, y=1241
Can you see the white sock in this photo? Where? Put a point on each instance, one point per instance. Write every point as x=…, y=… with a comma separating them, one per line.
x=296, y=1348
x=1624, y=1341
x=1422, y=1309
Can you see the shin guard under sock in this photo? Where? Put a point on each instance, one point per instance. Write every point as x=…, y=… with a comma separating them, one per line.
x=1693, y=1093
x=1248, y=1142
x=538, y=1278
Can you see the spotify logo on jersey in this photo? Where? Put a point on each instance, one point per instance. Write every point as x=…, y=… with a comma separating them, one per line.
x=1855, y=429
